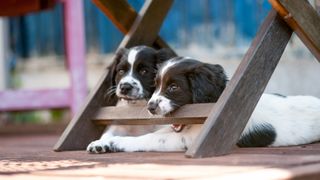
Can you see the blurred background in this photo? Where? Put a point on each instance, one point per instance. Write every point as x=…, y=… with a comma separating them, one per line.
x=32, y=50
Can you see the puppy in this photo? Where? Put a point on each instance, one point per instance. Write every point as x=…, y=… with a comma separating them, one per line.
x=276, y=120
x=131, y=81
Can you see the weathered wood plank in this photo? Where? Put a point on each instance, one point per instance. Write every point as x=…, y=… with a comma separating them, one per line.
x=227, y=120
x=150, y=20
x=15, y=100
x=138, y=115
x=151, y=121
x=144, y=30
x=303, y=19
x=122, y=16
x=29, y=157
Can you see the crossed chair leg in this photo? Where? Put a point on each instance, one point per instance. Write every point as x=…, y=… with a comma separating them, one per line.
x=231, y=113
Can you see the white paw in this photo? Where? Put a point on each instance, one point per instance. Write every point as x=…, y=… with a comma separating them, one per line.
x=96, y=147
x=105, y=146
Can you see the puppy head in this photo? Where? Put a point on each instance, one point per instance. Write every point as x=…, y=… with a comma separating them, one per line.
x=183, y=81
x=133, y=71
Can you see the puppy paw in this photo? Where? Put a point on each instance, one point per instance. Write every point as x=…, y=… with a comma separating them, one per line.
x=104, y=146
x=96, y=147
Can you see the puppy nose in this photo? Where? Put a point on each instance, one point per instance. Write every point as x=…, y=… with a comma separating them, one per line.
x=125, y=88
x=152, y=106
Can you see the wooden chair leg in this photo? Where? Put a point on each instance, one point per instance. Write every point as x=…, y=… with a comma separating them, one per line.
x=75, y=52
x=230, y=115
x=122, y=16
x=81, y=131
x=303, y=19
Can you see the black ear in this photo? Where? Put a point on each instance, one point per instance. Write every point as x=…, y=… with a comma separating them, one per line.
x=112, y=69
x=207, y=82
x=164, y=54
x=110, y=82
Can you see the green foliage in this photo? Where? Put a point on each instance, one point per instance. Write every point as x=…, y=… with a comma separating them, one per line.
x=37, y=117
x=25, y=117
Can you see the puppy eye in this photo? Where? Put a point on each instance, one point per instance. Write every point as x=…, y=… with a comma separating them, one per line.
x=142, y=72
x=121, y=72
x=173, y=87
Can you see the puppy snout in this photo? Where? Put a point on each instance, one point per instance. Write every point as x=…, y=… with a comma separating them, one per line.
x=152, y=107
x=125, y=88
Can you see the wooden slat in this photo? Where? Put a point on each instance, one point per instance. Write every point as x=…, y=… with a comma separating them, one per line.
x=15, y=100
x=147, y=24
x=303, y=19
x=81, y=131
x=227, y=120
x=122, y=16
x=138, y=115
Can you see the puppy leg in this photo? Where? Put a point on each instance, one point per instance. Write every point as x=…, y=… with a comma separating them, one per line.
x=164, y=140
x=98, y=146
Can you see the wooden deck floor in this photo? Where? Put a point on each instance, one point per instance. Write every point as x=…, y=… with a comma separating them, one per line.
x=31, y=157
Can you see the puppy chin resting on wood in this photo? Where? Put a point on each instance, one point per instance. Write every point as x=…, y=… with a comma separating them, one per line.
x=132, y=82
x=276, y=121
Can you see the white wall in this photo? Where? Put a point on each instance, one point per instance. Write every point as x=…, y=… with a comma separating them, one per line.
x=298, y=72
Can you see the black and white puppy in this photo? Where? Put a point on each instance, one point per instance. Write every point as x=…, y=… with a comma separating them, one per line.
x=131, y=80
x=276, y=120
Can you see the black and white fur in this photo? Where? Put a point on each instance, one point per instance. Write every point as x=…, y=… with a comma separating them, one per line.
x=276, y=120
x=131, y=81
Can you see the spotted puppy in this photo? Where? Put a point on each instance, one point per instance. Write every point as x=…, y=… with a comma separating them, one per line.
x=276, y=120
x=131, y=81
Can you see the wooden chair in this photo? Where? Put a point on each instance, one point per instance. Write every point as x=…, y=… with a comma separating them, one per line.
x=14, y=100
x=223, y=121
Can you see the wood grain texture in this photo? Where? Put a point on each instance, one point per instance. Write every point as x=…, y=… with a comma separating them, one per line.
x=31, y=158
x=227, y=120
x=303, y=19
x=122, y=15
x=81, y=131
x=138, y=115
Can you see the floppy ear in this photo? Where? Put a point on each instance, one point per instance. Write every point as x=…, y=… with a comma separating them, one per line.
x=112, y=69
x=207, y=82
x=164, y=54
x=111, y=99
